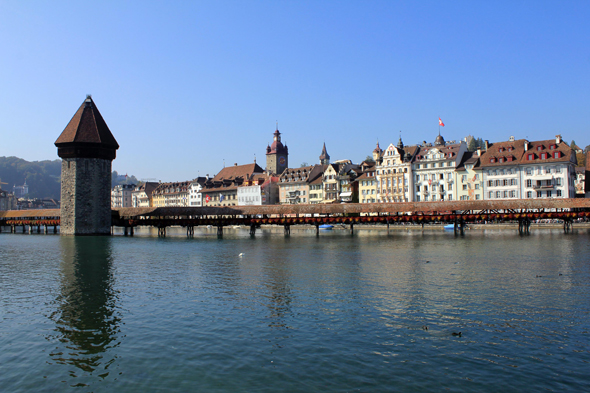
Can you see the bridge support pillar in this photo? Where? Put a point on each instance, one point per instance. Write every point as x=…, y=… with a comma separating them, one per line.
x=190, y=231
x=55, y=229
x=567, y=225
x=352, y=228
x=25, y=228
x=287, y=230
x=131, y=231
x=317, y=229
x=161, y=231
x=252, y=229
x=220, y=231
x=388, y=227
x=12, y=229
x=125, y=231
x=45, y=229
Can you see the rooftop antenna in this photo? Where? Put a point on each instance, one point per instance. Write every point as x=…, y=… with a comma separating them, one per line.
x=224, y=162
x=255, y=158
x=277, y=125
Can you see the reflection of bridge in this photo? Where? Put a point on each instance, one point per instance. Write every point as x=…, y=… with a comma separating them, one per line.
x=522, y=211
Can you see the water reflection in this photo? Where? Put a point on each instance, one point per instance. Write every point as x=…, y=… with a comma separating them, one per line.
x=86, y=318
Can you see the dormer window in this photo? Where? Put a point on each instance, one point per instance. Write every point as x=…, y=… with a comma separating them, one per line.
x=492, y=160
x=501, y=159
x=556, y=154
x=543, y=156
x=540, y=147
x=510, y=148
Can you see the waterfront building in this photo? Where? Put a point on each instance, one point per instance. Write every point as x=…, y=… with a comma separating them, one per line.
x=121, y=195
x=524, y=169
x=587, y=175
x=173, y=194
x=330, y=183
x=316, y=192
x=367, y=184
x=222, y=190
x=469, y=177
x=277, y=155
x=294, y=186
x=194, y=191
x=433, y=168
x=347, y=175
x=500, y=165
x=258, y=190
x=141, y=196
x=394, y=172
x=548, y=169
x=87, y=149
x=580, y=182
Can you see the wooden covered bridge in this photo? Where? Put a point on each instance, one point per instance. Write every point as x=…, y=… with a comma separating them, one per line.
x=521, y=211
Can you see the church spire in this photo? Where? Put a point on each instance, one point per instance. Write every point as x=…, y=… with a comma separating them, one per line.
x=324, y=157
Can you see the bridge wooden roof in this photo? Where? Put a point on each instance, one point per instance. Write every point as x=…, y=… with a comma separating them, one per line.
x=33, y=213
x=335, y=208
x=330, y=208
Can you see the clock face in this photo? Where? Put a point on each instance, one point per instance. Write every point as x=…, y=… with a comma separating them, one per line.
x=282, y=161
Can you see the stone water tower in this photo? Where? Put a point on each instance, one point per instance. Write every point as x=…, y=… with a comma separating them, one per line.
x=87, y=149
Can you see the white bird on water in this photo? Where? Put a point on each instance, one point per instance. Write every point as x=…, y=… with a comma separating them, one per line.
x=241, y=254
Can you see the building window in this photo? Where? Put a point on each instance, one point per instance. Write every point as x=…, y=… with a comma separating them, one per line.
x=529, y=183
x=539, y=194
x=548, y=194
x=559, y=193
x=529, y=194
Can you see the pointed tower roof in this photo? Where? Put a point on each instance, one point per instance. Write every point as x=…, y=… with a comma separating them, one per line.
x=324, y=155
x=87, y=135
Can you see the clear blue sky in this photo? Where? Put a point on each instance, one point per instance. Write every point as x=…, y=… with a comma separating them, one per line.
x=184, y=85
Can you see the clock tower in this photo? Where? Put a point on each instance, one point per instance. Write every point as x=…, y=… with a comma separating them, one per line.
x=277, y=155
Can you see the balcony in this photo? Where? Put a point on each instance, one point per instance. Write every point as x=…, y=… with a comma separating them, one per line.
x=540, y=187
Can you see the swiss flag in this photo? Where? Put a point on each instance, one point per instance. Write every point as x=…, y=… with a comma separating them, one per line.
x=440, y=123
x=207, y=198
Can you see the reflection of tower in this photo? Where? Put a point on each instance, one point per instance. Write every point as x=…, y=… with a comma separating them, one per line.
x=87, y=149
x=324, y=157
x=86, y=318
x=277, y=155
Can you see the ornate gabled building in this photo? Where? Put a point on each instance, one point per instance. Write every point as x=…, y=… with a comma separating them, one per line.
x=277, y=155
x=433, y=168
x=394, y=172
x=87, y=149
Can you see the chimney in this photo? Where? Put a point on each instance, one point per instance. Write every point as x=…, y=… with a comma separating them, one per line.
x=526, y=145
x=557, y=139
x=479, y=151
x=487, y=144
x=235, y=164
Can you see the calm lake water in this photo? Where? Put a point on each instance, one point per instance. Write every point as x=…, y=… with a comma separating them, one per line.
x=337, y=313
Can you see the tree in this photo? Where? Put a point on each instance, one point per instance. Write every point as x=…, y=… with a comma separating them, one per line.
x=472, y=145
x=369, y=159
x=581, y=158
x=304, y=164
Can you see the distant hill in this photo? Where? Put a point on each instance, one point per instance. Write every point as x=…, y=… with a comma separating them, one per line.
x=43, y=177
